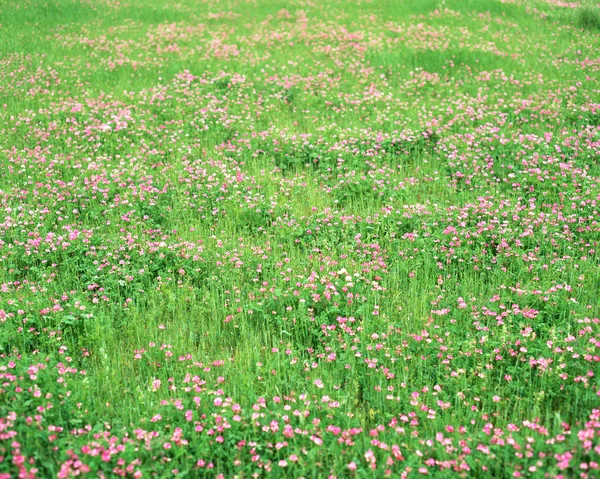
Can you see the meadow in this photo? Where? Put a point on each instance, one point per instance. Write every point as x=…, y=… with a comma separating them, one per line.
x=300, y=239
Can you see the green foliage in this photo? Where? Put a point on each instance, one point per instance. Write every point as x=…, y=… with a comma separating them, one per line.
x=299, y=239
x=588, y=17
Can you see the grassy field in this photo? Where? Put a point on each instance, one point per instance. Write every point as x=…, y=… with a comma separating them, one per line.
x=299, y=239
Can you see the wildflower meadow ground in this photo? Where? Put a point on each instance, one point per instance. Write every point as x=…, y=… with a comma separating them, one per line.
x=299, y=239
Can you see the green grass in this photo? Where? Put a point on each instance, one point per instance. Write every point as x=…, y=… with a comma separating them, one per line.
x=299, y=239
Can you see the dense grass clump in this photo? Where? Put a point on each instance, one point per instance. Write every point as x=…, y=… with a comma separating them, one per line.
x=588, y=17
x=299, y=239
